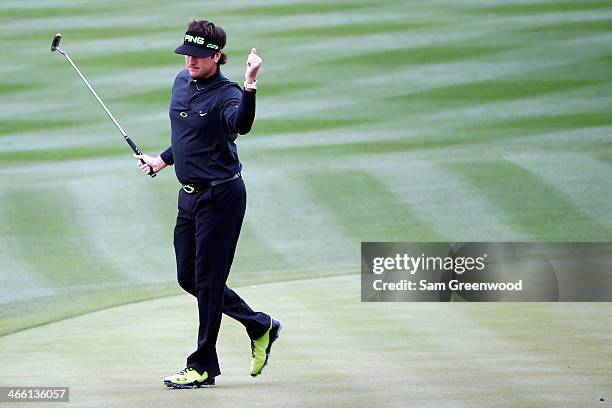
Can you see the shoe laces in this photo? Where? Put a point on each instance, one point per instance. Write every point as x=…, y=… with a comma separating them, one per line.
x=252, y=349
x=184, y=371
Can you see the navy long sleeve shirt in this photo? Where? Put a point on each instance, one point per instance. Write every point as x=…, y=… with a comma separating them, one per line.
x=206, y=116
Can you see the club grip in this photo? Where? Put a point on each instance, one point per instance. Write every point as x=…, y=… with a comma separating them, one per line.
x=136, y=150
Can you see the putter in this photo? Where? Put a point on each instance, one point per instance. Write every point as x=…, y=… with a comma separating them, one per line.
x=135, y=149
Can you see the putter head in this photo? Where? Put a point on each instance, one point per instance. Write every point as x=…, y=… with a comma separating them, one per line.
x=56, y=41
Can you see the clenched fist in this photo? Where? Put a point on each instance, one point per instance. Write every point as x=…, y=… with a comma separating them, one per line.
x=253, y=64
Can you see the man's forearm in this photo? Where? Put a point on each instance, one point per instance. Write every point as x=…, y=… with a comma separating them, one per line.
x=244, y=117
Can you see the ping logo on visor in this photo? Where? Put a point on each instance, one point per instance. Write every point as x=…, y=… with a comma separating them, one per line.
x=192, y=38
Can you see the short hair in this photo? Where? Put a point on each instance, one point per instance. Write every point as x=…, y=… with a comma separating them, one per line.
x=212, y=33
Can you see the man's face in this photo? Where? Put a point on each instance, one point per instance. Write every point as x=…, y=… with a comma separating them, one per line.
x=201, y=67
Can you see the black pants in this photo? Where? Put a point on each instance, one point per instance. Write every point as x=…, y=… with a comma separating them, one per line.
x=205, y=237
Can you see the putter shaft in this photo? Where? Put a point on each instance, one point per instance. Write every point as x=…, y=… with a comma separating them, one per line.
x=110, y=115
x=130, y=142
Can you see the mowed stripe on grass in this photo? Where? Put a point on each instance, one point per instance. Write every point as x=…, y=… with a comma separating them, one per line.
x=289, y=219
x=524, y=200
x=362, y=109
x=571, y=174
x=443, y=200
x=365, y=208
x=52, y=243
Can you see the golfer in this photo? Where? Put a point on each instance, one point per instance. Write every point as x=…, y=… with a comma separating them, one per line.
x=207, y=112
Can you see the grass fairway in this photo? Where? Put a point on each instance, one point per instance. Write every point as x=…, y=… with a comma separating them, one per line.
x=376, y=121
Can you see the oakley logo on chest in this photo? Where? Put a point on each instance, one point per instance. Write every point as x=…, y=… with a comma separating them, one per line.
x=184, y=114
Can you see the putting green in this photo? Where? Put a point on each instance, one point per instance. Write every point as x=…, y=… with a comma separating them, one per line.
x=333, y=351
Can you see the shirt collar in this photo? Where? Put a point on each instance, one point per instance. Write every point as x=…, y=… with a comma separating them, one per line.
x=206, y=81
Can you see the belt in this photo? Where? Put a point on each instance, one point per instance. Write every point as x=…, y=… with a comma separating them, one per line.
x=197, y=187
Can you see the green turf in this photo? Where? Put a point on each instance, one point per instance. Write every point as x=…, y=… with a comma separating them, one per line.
x=96, y=33
x=544, y=7
x=551, y=122
x=446, y=120
x=128, y=59
x=427, y=81
x=158, y=97
x=60, y=155
x=415, y=56
x=365, y=209
x=350, y=29
x=493, y=90
x=573, y=28
x=333, y=351
x=298, y=8
x=26, y=314
x=16, y=87
x=54, y=245
x=276, y=88
x=9, y=13
x=307, y=124
x=527, y=201
x=8, y=127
